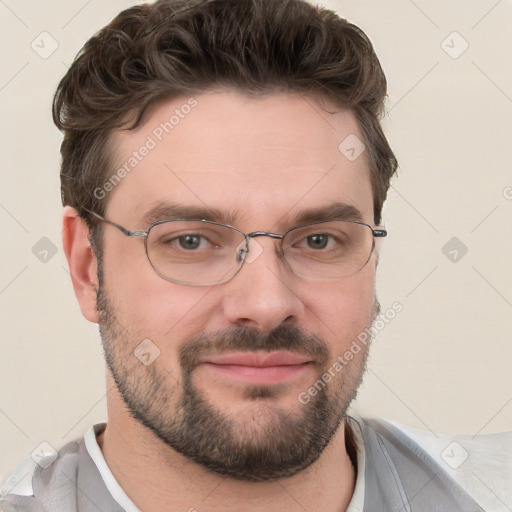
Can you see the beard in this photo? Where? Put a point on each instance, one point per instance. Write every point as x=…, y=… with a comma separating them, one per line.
x=269, y=444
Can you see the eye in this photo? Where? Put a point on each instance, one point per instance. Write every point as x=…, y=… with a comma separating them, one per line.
x=318, y=241
x=191, y=239
x=189, y=242
x=326, y=240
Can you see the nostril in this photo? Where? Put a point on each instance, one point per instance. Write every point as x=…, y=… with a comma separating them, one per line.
x=246, y=322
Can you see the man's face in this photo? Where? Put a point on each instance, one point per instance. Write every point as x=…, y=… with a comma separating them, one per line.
x=262, y=163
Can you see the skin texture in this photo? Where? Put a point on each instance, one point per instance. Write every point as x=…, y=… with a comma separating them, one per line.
x=264, y=161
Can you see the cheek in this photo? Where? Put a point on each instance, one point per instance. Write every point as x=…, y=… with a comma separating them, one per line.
x=343, y=309
x=147, y=305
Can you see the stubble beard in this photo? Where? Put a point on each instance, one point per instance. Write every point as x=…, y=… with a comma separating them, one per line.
x=272, y=443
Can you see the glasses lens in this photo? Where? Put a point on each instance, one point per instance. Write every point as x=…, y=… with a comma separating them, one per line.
x=328, y=250
x=195, y=252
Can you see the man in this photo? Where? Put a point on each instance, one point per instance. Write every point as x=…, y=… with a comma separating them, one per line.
x=223, y=176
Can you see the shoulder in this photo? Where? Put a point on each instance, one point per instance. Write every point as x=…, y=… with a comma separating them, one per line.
x=481, y=463
x=26, y=489
x=13, y=503
x=463, y=455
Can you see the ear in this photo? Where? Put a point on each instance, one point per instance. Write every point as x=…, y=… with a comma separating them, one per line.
x=81, y=261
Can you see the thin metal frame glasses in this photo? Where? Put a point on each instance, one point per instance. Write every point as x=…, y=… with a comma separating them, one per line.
x=326, y=250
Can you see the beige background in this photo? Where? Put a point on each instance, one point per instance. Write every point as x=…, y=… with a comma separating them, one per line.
x=443, y=364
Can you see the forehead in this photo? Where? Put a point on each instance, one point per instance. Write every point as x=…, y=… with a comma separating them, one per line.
x=260, y=159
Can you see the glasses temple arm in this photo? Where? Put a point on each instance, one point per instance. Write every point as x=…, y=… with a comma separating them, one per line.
x=123, y=230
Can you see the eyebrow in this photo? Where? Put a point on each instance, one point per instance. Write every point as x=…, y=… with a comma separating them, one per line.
x=333, y=211
x=165, y=210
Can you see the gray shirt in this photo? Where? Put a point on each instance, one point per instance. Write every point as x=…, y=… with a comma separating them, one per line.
x=395, y=473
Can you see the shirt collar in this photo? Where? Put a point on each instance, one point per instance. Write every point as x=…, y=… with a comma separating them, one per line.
x=91, y=444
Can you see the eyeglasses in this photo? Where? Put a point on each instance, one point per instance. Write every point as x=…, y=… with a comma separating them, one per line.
x=205, y=253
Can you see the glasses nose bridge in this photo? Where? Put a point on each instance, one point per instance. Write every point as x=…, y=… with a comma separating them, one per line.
x=256, y=234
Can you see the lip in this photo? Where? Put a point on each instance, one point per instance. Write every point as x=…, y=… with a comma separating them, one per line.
x=259, y=359
x=262, y=368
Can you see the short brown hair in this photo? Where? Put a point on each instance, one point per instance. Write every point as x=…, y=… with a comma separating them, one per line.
x=176, y=47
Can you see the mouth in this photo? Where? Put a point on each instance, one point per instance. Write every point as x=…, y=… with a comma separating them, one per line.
x=263, y=368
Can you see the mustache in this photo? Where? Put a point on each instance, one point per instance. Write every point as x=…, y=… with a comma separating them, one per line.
x=246, y=339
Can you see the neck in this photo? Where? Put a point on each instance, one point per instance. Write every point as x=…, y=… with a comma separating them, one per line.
x=156, y=477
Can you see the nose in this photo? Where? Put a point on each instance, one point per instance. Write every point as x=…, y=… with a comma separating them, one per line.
x=262, y=294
